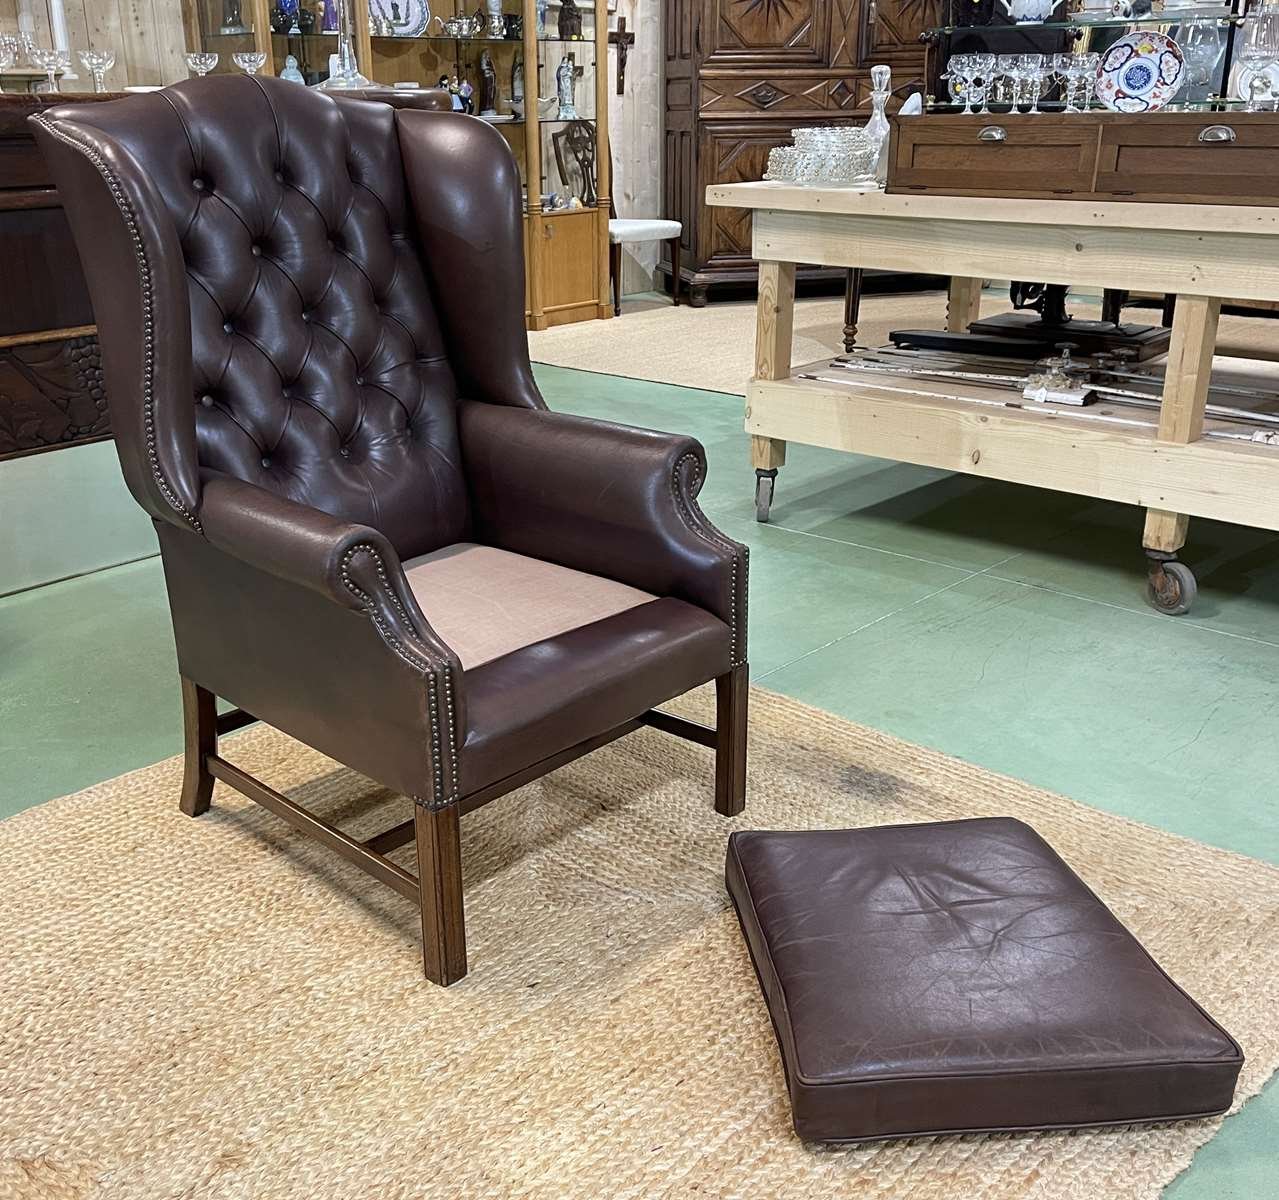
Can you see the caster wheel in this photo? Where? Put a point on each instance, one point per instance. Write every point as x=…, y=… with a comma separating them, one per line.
x=763, y=494
x=1171, y=587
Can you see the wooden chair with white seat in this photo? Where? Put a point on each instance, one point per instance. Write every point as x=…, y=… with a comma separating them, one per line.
x=639, y=229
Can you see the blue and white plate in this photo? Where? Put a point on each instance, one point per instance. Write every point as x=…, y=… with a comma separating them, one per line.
x=1141, y=72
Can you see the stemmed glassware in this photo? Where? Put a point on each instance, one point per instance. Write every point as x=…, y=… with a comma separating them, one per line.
x=1006, y=74
x=50, y=62
x=1088, y=73
x=1030, y=68
x=249, y=61
x=984, y=71
x=1260, y=52
x=98, y=63
x=202, y=61
x=963, y=69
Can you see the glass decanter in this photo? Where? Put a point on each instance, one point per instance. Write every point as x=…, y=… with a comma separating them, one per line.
x=346, y=75
x=877, y=127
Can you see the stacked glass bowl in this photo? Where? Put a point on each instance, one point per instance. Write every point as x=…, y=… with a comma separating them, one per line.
x=826, y=156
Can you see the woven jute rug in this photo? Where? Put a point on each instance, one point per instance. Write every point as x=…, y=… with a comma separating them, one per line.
x=220, y=1008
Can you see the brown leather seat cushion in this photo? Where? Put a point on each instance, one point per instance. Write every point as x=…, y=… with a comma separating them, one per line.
x=959, y=976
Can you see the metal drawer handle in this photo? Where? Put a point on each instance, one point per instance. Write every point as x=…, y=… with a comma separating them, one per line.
x=997, y=133
x=1217, y=133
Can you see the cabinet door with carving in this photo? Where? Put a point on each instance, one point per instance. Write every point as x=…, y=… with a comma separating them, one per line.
x=776, y=33
x=732, y=152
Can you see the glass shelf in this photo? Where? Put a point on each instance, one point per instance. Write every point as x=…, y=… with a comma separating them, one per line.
x=480, y=39
x=1180, y=16
x=1001, y=109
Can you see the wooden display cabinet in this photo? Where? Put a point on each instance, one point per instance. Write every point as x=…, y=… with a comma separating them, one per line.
x=566, y=250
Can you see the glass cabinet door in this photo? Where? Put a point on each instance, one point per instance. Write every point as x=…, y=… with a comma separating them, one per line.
x=216, y=31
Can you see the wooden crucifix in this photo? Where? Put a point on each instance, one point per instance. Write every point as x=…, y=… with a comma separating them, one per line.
x=623, y=41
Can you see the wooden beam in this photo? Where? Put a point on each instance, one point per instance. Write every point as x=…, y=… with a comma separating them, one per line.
x=774, y=319
x=963, y=303
x=1181, y=414
x=382, y=869
x=1227, y=481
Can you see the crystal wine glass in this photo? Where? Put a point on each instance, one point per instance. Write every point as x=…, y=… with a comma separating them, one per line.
x=98, y=63
x=961, y=67
x=984, y=65
x=1061, y=69
x=1006, y=68
x=1030, y=67
x=1260, y=52
x=1090, y=64
x=48, y=61
x=249, y=61
x=202, y=61
x=1202, y=45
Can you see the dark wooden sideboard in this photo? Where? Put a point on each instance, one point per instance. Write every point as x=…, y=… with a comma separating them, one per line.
x=740, y=75
x=51, y=391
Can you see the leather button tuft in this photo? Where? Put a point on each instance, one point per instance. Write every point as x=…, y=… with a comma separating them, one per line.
x=344, y=452
x=198, y=184
x=255, y=250
x=279, y=177
x=266, y=462
x=359, y=381
x=228, y=327
x=306, y=316
x=207, y=401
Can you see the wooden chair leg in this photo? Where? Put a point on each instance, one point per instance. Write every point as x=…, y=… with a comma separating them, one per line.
x=675, y=272
x=439, y=868
x=615, y=271
x=732, y=692
x=200, y=727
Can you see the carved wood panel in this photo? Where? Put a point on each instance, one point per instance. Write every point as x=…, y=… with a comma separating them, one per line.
x=890, y=30
x=743, y=32
x=51, y=395
x=733, y=153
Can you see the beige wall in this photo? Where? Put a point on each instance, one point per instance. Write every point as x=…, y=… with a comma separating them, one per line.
x=146, y=35
x=635, y=133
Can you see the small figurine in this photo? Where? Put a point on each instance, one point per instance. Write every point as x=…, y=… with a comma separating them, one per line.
x=467, y=93
x=329, y=23
x=542, y=6
x=291, y=72
x=517, y=85
x=488, y=86
x=570, y=20
x=565, y=84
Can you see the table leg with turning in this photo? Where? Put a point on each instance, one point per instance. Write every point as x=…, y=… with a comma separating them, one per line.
x=1171, y=584
x=774, y=329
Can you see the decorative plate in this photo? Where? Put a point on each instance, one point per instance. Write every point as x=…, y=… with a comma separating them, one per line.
x=1241, y=76
x=407, y=18
x=1140, y=72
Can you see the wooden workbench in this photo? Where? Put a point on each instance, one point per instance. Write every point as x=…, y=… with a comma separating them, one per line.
x=1199, y=252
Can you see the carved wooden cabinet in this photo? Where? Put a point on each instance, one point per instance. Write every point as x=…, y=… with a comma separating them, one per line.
x=740, y=75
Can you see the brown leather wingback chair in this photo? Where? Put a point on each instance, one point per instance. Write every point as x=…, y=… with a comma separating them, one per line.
x=375, y=535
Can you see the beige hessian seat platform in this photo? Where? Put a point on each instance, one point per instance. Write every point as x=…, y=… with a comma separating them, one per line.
x=485, y=602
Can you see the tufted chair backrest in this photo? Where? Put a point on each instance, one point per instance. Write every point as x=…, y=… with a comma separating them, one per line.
x=317, y=365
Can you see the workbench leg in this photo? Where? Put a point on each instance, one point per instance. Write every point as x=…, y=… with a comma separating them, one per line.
x=1181, y=418
x=963, y=304
x=774, y=329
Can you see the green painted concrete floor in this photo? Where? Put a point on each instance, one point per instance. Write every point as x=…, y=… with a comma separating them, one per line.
x=1001, y=624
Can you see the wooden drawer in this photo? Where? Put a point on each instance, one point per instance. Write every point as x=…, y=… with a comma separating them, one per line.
x=1186, y=158
x=995, y=155
x=1212, y=158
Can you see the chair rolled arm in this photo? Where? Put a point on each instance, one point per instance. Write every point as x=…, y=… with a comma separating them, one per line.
x=352, y=565
x=610, y=499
